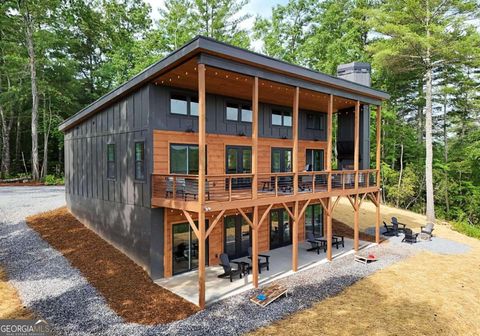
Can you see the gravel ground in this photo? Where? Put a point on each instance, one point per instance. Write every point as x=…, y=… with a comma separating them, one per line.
x=48, y=284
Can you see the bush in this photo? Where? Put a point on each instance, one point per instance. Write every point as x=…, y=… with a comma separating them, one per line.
x=467, y=229
x=53, y=180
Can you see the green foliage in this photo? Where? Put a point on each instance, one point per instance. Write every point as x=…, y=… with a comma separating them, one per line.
x=467, y=229
x=53, y=180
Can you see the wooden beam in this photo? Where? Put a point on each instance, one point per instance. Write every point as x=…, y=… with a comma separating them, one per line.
x=295, y=238
x=325, y=206
x=214, y=223
x=356, y=228
x=192, y=223
x=356, y=153
x=335, y=204
x=378, y=220
x=255, y=247
x=255, y=139
x=351, y=202
x=288, y=210
x=361, y=200
x=379, y=136
x=329, y=229
x=296, y=98
x=329, y=140
x=245, y=217
x=201, y=183
x=264, y=216
x=304, y=208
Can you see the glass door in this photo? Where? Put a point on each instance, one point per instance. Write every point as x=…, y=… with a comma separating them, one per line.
x=282, y=163
x=185, y=248
x=314, y=220
x=280, y=228
x=237, y=237
x=239, y=161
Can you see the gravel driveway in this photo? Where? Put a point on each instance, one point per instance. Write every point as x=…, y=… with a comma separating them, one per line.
x=49, y=285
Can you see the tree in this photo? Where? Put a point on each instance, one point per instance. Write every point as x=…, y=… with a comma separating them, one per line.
x=421, y=36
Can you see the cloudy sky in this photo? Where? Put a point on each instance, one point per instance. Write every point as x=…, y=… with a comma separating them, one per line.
x=254, y=7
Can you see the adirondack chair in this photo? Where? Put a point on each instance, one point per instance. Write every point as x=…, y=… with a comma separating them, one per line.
x=229, y=272
x=262, y=263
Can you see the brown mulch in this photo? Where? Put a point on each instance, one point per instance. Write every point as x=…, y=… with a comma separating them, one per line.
x=21, y=184
x=126, y=287
x=341, y=229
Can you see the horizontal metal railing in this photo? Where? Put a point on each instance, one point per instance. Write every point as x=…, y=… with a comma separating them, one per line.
x=230, y=187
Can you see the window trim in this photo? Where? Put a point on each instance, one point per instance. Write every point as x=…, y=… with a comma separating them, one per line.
x=170, y=144
x=109, y=177
x=189, y=98
x=142, y=141
x=312, y=151
x=282, y=113
x=240, y=106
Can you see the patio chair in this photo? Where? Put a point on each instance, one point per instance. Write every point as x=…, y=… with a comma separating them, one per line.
x=398, y=224
x=410, y=237
x=180, y=252
x=315, y=244
x=426, y=231
x=227, y=268
x=391, y=230
x=265, y=263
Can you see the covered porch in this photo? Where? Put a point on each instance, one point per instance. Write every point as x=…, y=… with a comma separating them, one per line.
x=186, y=284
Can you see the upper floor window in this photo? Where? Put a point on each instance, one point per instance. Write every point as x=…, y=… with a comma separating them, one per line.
x=314, y=159
x=111, y=162
x=238, y=112
x=183, y=105
x=314, y=121
x=140, y=160
x=281, y=118
x=184, y=159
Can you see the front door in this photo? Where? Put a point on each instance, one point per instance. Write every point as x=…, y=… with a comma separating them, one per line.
x=185, y=248
x=280, y=228
x=239, y=161
x=237, y=236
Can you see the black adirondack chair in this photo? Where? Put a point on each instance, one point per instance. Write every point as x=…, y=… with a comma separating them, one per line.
x=262, y=263
x=315, y=244
x=227, y=268
x=400, y=226
x=410, y=237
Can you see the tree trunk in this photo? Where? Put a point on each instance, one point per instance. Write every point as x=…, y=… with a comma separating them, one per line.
x=400, y=175
x=445, y=155
x=6, y=127
x=33, y=76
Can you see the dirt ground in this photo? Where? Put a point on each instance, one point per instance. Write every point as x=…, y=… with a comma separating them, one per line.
x=126, y=287
x=10, y=304
x=428, y=294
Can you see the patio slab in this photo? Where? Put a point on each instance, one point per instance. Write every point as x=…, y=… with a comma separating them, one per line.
x=186, y=284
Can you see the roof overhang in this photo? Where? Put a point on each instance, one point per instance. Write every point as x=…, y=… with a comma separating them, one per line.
x=225, y=56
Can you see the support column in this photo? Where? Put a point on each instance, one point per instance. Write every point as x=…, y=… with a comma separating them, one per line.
x=255, y=247
x=295, y=238
x=201, y=184
x=356, y=153
x=378, y=166
x=296, y=97
x=356, y=216
x=255, y=138
x=329, y=142
x=329, y=228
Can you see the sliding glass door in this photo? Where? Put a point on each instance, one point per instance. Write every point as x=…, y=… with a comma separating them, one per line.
x=314, y=220
x=237, y=236
x=185, y=248
x=280, y=228
x=239, y=161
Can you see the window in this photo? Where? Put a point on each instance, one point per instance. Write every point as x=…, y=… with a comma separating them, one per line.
x=184, y=159
x=184, y=105
x=111, y=163
x=281, y=160
x=314, y=220
x=238, y=112
x=315, y=121
x=281, y=118
x=315, y=159
x=140, y=160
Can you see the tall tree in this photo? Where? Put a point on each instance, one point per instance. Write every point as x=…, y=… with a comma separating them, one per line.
x=421, y=36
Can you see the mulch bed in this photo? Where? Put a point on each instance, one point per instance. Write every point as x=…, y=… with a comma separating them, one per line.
x=342, y=229
x=126, y=287
x=21, y=184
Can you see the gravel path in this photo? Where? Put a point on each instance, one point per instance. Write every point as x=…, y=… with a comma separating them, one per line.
x=48, y=284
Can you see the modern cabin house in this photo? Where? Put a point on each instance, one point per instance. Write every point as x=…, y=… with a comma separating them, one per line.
x=215, y=149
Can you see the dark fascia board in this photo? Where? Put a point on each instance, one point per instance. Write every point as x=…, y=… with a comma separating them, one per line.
x=208, y=45
x=253, y=71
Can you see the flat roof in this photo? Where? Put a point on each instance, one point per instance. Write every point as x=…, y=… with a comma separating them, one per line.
x=201, y=44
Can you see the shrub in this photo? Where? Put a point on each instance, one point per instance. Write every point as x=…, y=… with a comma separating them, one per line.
x=467, y=229
x=53, y=180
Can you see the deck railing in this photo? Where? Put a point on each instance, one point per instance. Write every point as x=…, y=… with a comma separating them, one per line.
x=230, y=187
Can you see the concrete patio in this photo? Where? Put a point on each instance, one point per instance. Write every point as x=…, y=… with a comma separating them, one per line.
x=186, y=284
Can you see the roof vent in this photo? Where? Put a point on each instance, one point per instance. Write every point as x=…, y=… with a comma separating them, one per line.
x=357, y=72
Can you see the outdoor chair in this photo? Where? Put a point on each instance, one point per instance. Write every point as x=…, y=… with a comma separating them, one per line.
x=180, y=252
x=391, y=230
x=179, y=187
x=227, y=268
x=398, y=224
x=410, y=237
x=316, y=245
x=426, y=231
x=262, y=263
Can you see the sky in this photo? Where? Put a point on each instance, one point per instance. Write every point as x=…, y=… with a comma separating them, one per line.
x=254, y=7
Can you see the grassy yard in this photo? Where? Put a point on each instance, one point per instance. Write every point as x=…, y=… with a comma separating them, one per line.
x=428, y=294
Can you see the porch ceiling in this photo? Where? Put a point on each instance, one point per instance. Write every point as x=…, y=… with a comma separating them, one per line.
x=235, y=85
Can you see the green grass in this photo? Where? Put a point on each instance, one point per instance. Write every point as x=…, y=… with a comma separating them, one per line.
x=467, y=229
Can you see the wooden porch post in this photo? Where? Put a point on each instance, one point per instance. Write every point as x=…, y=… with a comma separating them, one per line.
x=296, y=97
x=356, y=165
x=378, y=164
x=201, y=184
x=356, y=222
x=329, y=151
x=329, y=228
x=255, y=180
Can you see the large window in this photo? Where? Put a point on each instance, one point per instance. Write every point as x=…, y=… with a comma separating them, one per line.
x=111, y=161
x=238, y=112
x=314, y=220
x=183, y=159
x=281, y=118
x=281, y=160
x=183, y=105
x=315, y=121
x=140, y=160
x=315, y=159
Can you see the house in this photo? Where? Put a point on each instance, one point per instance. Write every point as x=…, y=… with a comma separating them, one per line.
x=215, y=149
